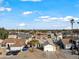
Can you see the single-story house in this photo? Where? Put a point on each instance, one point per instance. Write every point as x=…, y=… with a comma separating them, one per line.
x=49, y=47
x=60, y=35
x=13, y=44
x=12, y=35
x=19, y=35
x=40, y=35
x=22, y=35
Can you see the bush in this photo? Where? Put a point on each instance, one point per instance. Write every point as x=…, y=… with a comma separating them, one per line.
x=3, y=33
x=31, y=50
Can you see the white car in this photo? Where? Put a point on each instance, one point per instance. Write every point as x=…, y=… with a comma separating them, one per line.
x=68, y=46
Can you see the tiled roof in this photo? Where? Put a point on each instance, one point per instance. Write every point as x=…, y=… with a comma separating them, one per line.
x=17, y=42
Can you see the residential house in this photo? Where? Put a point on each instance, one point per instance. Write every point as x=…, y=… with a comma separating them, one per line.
x=1, y=42
x=41, y=35
x=19, y=35
x=49, y=47
x=12, y=35
x=13, y=44
x=22, y=35
x=60, y=35
x=52, y=35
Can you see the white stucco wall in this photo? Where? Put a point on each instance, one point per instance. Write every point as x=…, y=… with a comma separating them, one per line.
x=12, y=36
x=16, y=48
x=49, y=48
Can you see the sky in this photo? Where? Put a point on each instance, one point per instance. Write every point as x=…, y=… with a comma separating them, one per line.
x=39, y=14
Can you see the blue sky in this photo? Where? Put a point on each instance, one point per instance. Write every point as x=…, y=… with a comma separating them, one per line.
x=38, y=14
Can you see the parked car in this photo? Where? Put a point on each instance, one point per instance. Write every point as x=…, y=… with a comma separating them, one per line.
x=12, y=52
x=68, y=46
x=25, y=48
x=75, y=46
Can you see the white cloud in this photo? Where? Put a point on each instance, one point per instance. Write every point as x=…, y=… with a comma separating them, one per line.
x=32, y=0
x=22, y=24
x=44, y=17
x=27, y=12
x=58, y=25
x=68, y=18
x=8, y=9
x=49, y=18
x=5, y=9
x=67, y=27
x=55, y=25
x=2, y=9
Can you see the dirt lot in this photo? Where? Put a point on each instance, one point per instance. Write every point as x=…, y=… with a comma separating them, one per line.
x=38, y=54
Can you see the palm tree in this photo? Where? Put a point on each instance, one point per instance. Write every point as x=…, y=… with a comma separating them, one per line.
x=72, y=22
x=34, y=43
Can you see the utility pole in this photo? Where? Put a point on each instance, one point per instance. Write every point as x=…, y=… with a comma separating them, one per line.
x=78, y=30
x=17, y=32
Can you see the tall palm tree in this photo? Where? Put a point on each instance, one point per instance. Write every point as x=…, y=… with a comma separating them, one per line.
x=72, y=22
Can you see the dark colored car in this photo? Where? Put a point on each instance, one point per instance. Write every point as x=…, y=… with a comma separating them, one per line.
x=25, y=48
x=12, y=52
